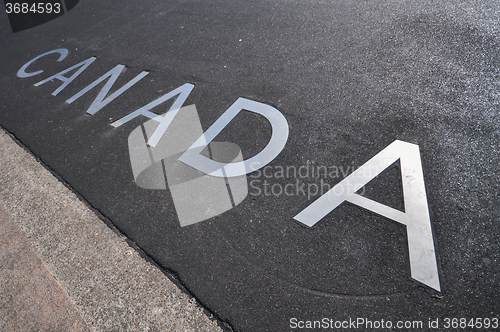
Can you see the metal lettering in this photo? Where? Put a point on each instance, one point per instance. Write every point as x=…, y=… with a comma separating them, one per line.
x=99, y=101
x=22, y=72
x=183, y=92
x=416, y=216
x=279, y=136
x=66, y=80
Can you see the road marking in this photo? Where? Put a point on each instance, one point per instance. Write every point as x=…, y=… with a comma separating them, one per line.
x=416, y=216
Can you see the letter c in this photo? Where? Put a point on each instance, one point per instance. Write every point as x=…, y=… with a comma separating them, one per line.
x=22, y=72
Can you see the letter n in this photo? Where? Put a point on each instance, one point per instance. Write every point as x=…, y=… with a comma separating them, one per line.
x=112, y=76
x=416, y=216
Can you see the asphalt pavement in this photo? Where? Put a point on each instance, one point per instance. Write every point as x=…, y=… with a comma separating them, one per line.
x=290, y=166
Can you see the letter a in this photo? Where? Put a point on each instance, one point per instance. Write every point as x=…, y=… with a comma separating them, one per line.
x=416, y=216
x=99, y=101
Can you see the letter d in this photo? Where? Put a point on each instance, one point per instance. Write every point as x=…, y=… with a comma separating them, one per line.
x=279, y=136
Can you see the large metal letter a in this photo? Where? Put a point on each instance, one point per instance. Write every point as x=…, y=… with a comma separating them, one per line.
x=416, y=216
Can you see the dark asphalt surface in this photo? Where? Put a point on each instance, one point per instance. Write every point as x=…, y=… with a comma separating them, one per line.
x=350, y=77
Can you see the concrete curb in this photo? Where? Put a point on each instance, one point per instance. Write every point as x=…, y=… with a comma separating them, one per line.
x=112, y=287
